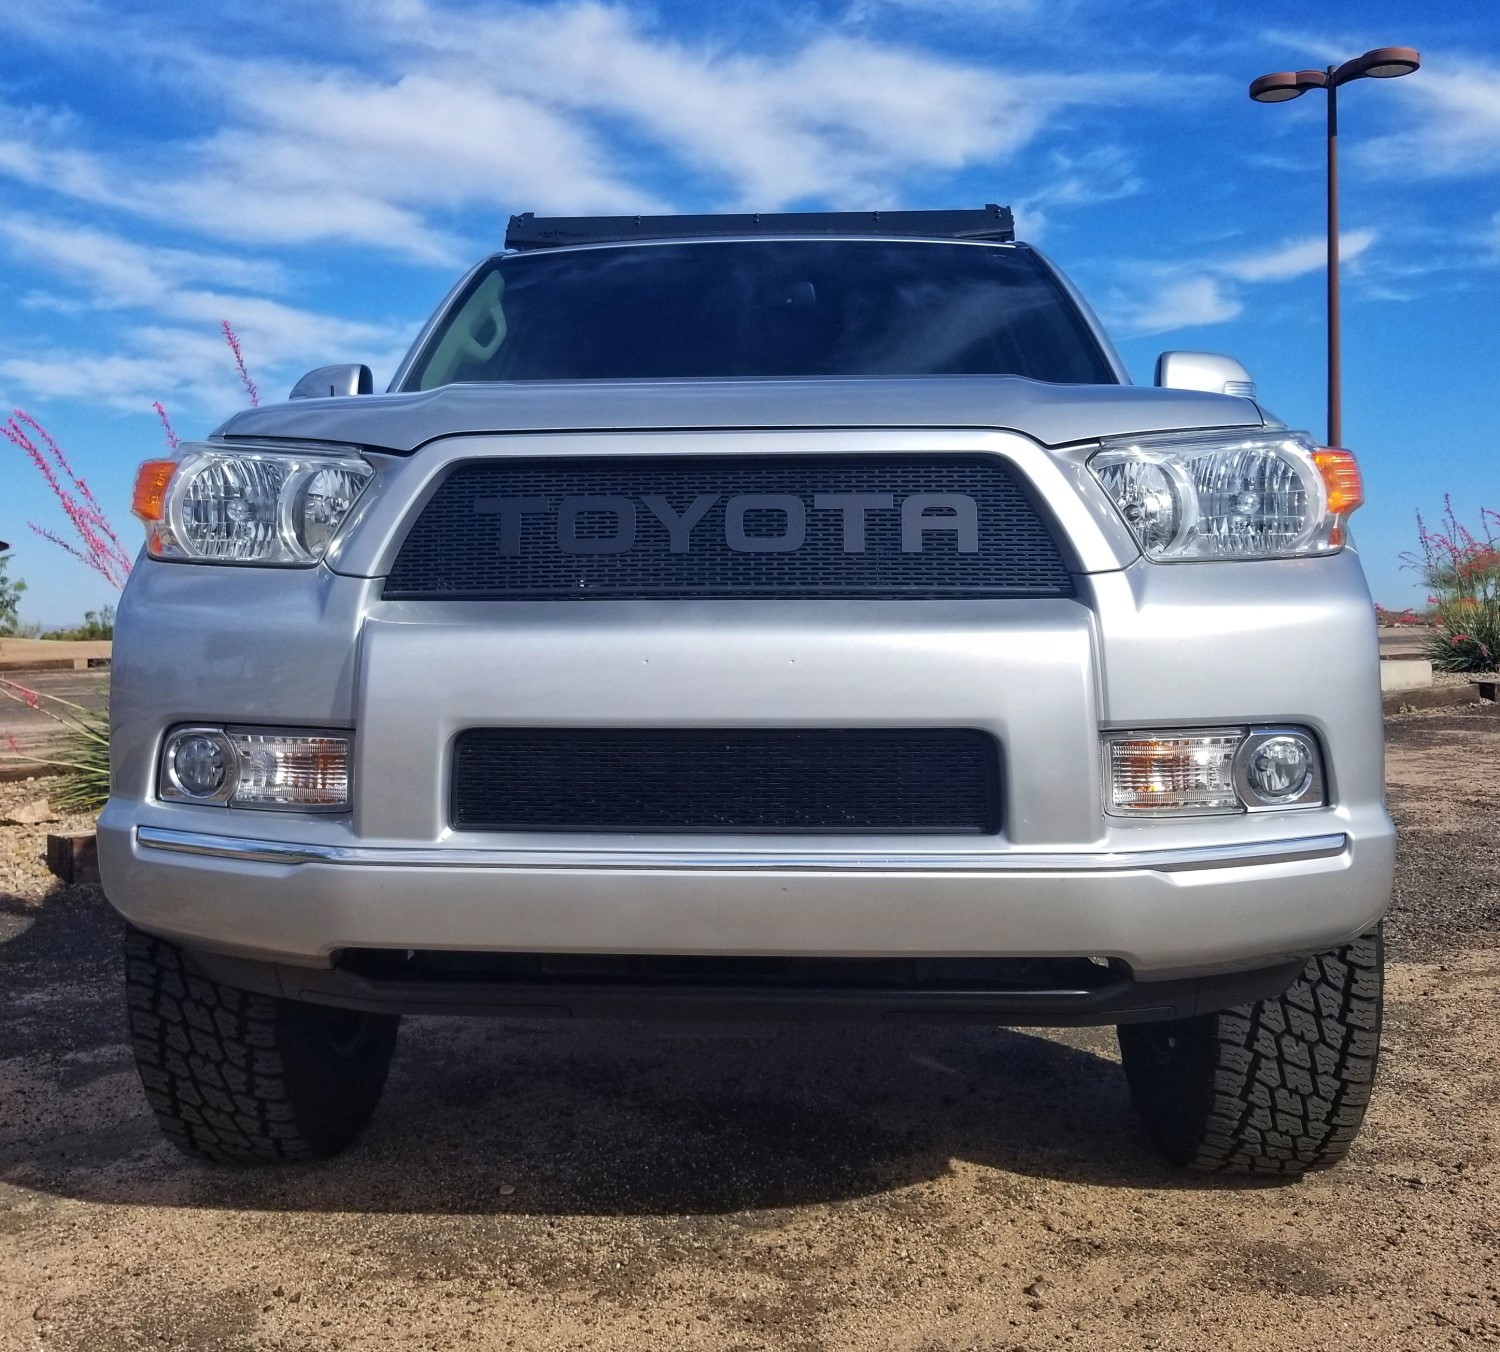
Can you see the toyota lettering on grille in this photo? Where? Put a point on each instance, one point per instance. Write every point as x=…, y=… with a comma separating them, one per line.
x=606, y=523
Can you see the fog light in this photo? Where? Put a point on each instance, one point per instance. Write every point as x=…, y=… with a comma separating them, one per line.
x=198, y=766
x=291, y=770
x=1279, y=767
x=1173, y=773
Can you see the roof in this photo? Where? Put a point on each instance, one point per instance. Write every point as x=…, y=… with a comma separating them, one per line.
x=991, y=223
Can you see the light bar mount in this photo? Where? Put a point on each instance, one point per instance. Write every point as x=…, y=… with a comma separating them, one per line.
x=992, y=223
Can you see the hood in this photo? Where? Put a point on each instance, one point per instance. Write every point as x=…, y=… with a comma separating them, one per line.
x=1054, y=415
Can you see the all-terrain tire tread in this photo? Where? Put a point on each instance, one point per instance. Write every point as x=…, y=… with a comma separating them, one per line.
x=1291, y=1077
x=211, y=1061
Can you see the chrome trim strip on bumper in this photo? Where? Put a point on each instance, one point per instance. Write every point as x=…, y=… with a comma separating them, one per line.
x=1197, y=857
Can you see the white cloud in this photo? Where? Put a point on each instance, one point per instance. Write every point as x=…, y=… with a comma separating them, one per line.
x=961, y=9
x=1103, y=174
x=172, y=349
x=834, y=119
x=120, y=272
x=1296, y=258
x=1450, y=124
x=1179, y=303
x=550, y=109
x=1168, y=296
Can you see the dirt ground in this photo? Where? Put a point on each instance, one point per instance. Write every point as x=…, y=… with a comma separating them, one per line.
x=546, y=1186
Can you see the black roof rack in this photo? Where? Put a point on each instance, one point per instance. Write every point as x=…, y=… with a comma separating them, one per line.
x=555, y=232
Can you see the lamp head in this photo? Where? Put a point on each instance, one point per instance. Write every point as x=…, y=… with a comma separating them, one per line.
x=1286, y=84
x=1380, y=63
x=1277, y=88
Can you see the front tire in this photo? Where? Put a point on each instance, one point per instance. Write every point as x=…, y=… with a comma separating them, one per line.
x=244, y=1078
x=1277, y=1087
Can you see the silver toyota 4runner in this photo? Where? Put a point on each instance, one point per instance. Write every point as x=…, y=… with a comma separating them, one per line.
x=794, y=617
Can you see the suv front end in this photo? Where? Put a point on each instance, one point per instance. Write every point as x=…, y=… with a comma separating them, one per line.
x=963, y=697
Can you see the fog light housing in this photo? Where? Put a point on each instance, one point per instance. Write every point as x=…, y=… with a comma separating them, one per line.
x=286, y=770
x=198, y=766
x=1279, y=767
x=1211, y=771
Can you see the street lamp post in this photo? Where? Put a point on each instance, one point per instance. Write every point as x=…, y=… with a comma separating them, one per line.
x=1381, y=63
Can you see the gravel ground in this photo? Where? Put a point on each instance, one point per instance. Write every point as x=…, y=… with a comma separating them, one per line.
x=1463, y=677
x=571, y=1186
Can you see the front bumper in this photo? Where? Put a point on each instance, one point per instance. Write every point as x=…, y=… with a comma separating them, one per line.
x=1163, y=913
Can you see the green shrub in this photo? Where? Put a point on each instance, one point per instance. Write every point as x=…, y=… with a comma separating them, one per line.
x=10, y=599
x=84, y=785
x=97, y=624
x=1466, y=636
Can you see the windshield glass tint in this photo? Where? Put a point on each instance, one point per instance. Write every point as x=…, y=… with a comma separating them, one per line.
x=763, y=308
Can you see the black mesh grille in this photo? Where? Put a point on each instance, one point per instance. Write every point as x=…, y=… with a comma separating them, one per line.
x=653, y=779
x=474, y=540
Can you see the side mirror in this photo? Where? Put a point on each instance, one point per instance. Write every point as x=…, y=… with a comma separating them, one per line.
x=329, y=382
x=1203, y=371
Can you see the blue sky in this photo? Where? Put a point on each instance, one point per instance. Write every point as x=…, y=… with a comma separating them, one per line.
x=319, y=176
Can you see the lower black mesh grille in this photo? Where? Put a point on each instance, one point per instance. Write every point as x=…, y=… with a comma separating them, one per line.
x=919, y=780
x=906, y=526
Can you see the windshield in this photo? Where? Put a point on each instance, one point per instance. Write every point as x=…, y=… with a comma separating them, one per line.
x=763, y=308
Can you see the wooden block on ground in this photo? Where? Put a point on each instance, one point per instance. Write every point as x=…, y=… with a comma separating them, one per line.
x=74, y=859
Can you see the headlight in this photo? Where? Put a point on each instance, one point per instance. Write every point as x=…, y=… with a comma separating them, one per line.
x=224, y=503
x=1269, y=495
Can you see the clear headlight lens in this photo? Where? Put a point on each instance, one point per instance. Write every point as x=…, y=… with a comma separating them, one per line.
x=252, y=504
x=1219, y=496
x=1211, y=771
x=287, y=770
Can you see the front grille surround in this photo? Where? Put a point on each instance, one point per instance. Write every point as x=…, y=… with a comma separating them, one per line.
x=784, y=781
x=462, y=545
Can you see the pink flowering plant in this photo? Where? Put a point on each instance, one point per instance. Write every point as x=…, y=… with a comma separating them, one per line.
x=1462, y=567
x=84, y=758
x=96, y=544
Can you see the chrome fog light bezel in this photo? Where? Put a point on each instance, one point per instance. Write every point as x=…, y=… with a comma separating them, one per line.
x=171, y=787
x=238, y=743
x=1311, y=791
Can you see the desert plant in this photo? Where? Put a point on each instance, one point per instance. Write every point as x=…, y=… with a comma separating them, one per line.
x=85, y=751
x=98, y=546
x=1462, y=568
x=1466, y=636
x=1456, y=563
x=84, y=757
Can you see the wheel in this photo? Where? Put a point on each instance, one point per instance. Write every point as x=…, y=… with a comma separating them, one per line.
x=1277, y=1087
x=238, y=1077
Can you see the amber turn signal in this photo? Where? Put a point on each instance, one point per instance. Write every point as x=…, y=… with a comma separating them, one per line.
x=149, y=501
x=1340, y=471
